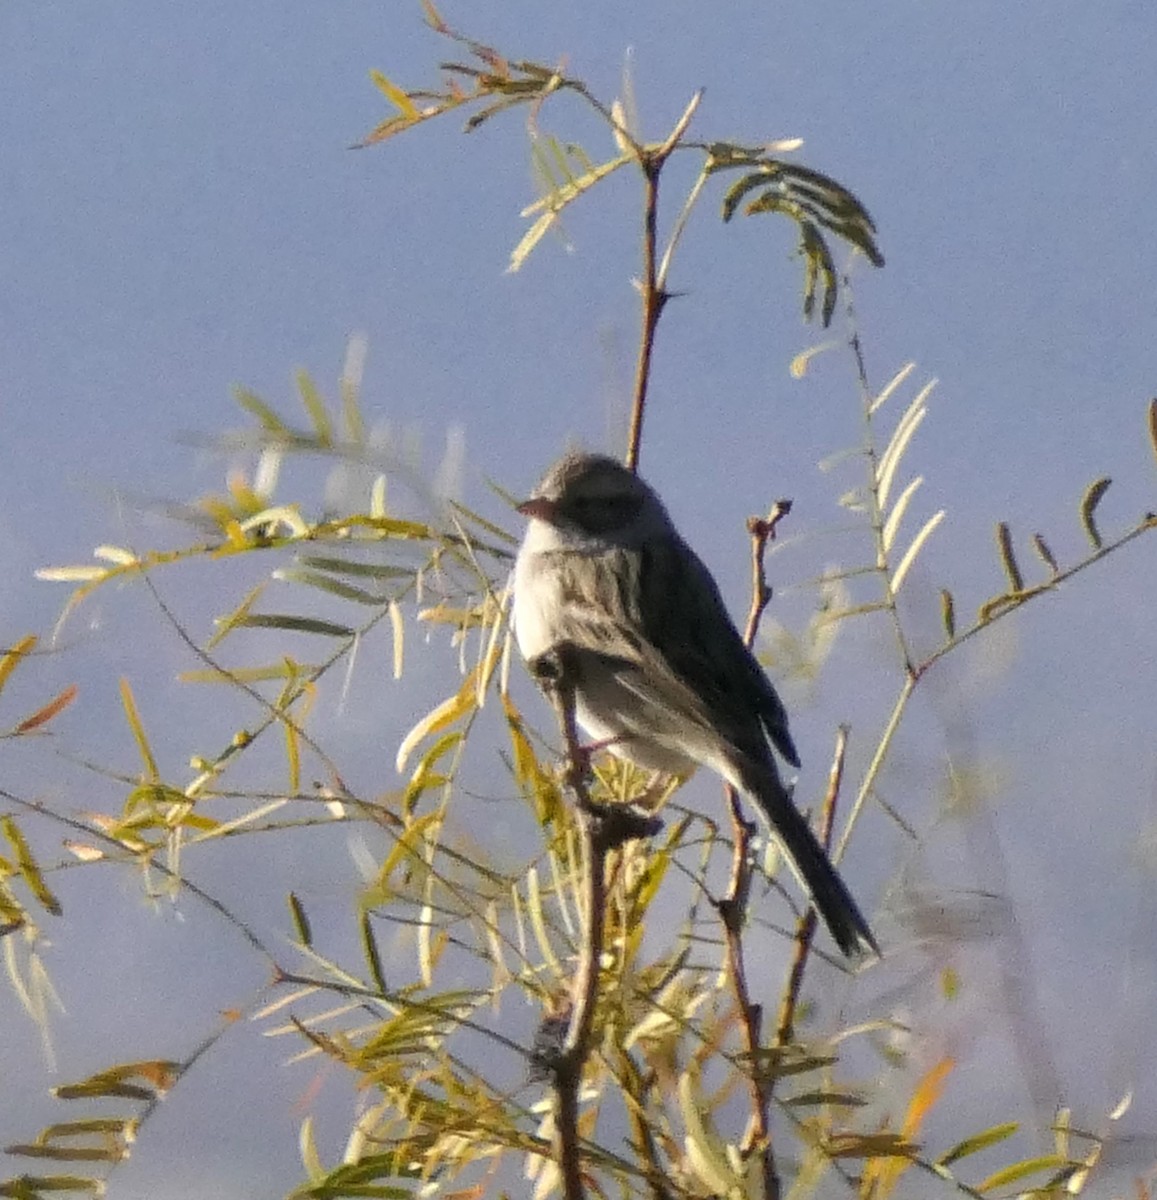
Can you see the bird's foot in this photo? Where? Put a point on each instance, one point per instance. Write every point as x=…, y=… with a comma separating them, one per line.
x=619, y=823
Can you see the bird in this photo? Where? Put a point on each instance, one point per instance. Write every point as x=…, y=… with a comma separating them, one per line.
x=659, y=673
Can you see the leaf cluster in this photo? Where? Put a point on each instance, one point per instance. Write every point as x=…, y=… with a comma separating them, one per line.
x=573, y=1011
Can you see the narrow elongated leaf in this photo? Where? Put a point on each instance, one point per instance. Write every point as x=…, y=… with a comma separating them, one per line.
x=620, y=125
x=905, y=564
x=446, y=713
x=158, y=1076
x=842, y=614
x=293, y=624
x=398, y=630
x=892, y=524
x=998, y=604
x=425, y=951
x=310, y=1159
x=889, y=462
x=311, y=397
x=117, y=555
x=108, y=1154
x=574, y=186
x=396, y=527
x=38, y=1187
x=424, y=776
x=79, y=574
x=407, y=849
x=268, y=419
x=779, y=1062
x=948, y=613
x=352, y=566
x=871, y=1145
x=1021, y=1170
x=300, y=920
x=1042, y=548
x=539, y=786
x=798, y=367
x=152, y=775
x=292, y=754
x=979, y=1141
x=495, y=943
x=267, y=522
x=537, y=231
x=370, y=950
x=706, y=1151
x=11, y=658
x=821, y=1098
x=889, y=389
x=287, y=668
x=45, y=714
x=353, y=369
x=29, y=870
x=497, y=531
x=396, y=96
x=538, y=920
x=327, y=583
x=226, y=625
x=1008, y=557
x=1093, y=496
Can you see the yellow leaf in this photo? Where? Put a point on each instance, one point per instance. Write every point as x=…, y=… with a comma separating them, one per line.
x=978, y=1142
x=11, y=658
x=927, y=1092
x=1018, y=1171
x=27, y=865
x=446, y=713
x=882, y=1173
x=138, y=732
x=396, y=96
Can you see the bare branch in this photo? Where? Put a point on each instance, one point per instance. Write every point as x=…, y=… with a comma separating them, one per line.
x=733, y=906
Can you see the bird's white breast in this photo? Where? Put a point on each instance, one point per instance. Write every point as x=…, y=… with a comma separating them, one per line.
x=535, y=613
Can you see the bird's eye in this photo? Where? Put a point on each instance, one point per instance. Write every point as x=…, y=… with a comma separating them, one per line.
x=600, y=514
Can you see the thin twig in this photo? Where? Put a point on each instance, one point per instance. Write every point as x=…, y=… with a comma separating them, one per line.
x=762, y=530
x=654, y=300
x=877, y=764
x=566, y=1068
x=1146, y=525
x=733, y=906
x=653, y=285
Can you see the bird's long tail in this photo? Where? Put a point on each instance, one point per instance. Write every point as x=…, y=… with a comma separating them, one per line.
x=826, y=889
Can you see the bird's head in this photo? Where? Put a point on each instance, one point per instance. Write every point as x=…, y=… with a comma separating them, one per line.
x=595, y=497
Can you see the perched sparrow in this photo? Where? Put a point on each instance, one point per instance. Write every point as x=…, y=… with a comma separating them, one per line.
x=660, y=673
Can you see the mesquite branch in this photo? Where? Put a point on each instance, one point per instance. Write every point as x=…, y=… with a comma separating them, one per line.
x=733, y=906
x=603, y=828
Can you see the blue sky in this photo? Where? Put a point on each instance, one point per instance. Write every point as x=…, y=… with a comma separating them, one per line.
x=182, y=213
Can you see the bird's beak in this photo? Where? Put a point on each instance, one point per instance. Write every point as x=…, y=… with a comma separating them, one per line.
x=538, y=508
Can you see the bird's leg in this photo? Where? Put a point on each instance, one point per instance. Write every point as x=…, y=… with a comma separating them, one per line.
x=557, y=673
